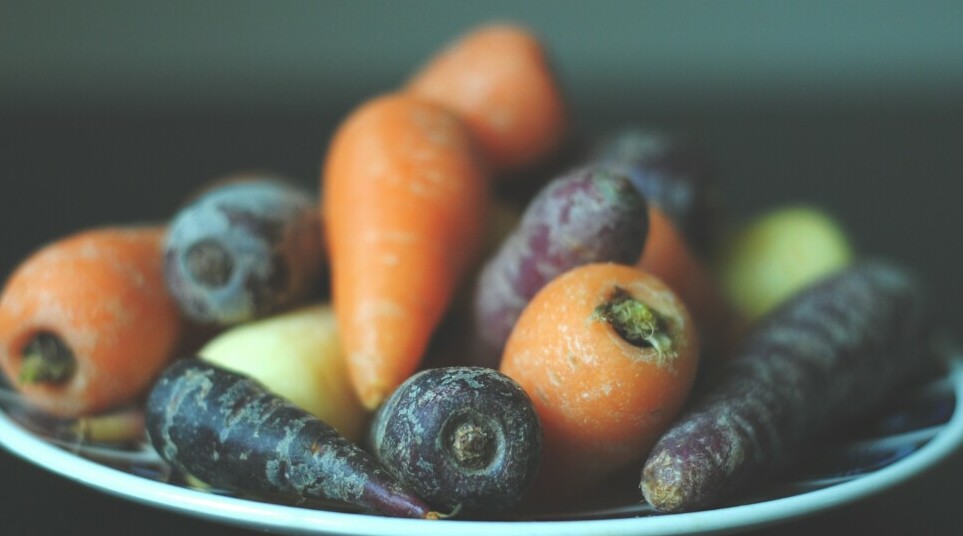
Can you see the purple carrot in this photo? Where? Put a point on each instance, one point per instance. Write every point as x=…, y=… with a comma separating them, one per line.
x=228, y=431
x=465, y=438
x=673, y=176
x=586, y=215
x=828, y=354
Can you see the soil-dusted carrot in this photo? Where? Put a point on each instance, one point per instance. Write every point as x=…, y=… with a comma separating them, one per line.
x=583, y=216
x=608, y=354
x=464, y=438
x=498, y=79
x=243, y=250
x=229, y=431
x=86, y=322
x=830, y=352
x=668, y=257
x=405, y=198
x=296, y=355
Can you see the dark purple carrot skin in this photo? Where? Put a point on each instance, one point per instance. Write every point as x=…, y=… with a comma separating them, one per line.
x=673, y=176
x=228, y=431
x=827, y=355
x=587, y=215
x=463, y=438
x=243, y=250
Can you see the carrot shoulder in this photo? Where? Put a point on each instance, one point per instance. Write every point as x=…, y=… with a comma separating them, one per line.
x=498, y=79
x=404, y=202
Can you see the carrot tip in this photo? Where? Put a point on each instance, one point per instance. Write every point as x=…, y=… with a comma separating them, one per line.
x=438, y=515
x=373, y=398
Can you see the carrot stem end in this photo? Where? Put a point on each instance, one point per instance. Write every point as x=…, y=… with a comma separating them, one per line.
x=46, y=359
x=634, y=321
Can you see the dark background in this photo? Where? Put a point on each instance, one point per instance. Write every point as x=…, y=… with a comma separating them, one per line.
x=114, y=112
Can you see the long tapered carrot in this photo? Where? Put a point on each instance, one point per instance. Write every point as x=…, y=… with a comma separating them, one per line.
x=404, y=202
x=86, y=322
x=497, y=77
x=668, y=257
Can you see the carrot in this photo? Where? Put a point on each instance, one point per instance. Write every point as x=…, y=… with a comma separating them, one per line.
x=780, y=252
x=404, y=204
x=244, y=250
x=464, y=438
x=585, y=215
x=297, y=355
x=86, y=322
x=667, y=256
x=674, y=176
x=608, y=354
x=498, y=79
x=830, y=352
x=230, y=431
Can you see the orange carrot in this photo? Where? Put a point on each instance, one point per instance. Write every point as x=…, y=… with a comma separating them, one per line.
x=86, y=323
x=404, y=202
x=608, y=354
x=498, y=79
x=667, y=257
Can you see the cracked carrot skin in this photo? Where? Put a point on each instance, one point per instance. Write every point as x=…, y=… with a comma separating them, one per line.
x=96, y=302
x=229, y=431
x=404, y=202
x=608, y=355
x=832, y=351
x=498, y=79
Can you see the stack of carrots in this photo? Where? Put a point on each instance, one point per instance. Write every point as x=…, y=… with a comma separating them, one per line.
x=407, y=189
x=406, y=186
x=406, y=192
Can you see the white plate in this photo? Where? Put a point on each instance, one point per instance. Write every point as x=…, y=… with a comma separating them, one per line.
x=851, y=470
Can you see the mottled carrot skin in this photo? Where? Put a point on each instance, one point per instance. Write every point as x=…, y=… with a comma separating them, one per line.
x=829, y=353
x=465, y=438
x=584, y=216
x=100, y=293
x=244, y=250
x=228, y=431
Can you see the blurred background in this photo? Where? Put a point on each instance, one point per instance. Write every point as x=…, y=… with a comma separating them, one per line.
x=116, y=111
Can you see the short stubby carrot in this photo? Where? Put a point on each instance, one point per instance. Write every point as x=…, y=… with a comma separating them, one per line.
x=497, y=77
x=667, y=256
x=404, y=201
x=608, y=354
x=86, y=322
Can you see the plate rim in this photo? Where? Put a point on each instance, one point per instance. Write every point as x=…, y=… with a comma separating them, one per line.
x=289, y=519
